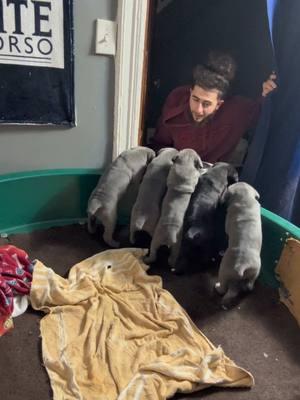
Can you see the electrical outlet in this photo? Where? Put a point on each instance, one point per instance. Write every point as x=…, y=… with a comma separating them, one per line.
x=106, y=33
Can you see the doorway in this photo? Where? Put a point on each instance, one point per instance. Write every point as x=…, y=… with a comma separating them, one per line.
x=181, y=32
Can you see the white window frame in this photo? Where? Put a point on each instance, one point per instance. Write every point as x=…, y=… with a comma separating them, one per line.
x=129, y=62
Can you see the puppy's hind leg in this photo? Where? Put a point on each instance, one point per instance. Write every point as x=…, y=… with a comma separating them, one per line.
x=109, y=222
x=250, y=276
x=248, y=285
x=91, y=223
x=153, y=252
x=132, y=232
x=220, y=288
x=132, y=236
x=180, y=265
x=183, y=258
x=222, y=285
x=232, y=296
x=174, y=253
x=136, y=224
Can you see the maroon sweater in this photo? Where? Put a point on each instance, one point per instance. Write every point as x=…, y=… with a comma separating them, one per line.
x=214, y=139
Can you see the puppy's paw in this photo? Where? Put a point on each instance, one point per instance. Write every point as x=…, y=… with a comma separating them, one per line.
x=231, y=299
x=148, y=260
x=177, y=271
x=112, y=243
x=91, y=224
x=181, y=266
x=218, y=289
x=132, y=240
x=227, y=304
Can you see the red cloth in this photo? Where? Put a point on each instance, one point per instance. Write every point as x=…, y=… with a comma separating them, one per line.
x=15, y=278
x=214, y=139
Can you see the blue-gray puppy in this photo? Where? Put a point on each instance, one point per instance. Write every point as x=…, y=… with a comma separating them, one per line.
x=127, y=168
x=241, y=263
x=146, y=210
x=181, y=182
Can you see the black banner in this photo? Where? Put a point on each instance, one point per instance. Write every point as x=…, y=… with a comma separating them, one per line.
x=36, y=62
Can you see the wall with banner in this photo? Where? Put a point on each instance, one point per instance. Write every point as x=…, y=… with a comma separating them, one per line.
x=36, y=62
x=88, y=144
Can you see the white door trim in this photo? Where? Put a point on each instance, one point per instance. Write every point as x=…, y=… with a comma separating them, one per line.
x=131, y=26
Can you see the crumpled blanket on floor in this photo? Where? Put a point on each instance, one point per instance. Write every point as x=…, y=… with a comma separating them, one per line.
x=15, y=279
x=112, y=332
x=288, y=271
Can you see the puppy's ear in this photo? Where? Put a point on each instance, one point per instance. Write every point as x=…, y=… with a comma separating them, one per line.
x=207, y=164
x=256, y=195
x=198, y=163
x=223, y=200
x=150, y=156
x=161, y=151
x=233, y=176
x=253, y=192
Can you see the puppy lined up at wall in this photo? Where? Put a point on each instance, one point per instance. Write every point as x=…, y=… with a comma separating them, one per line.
x=181, y=182
x=203, y=228
x=146, y=210
x=241, y=262
x=127, y=168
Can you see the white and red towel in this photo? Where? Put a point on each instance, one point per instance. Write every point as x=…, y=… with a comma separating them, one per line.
x=15, y=279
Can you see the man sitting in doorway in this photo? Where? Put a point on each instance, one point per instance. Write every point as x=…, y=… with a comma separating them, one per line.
x=200, y=117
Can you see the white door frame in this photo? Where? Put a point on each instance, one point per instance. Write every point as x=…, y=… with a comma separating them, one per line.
x=129, y=61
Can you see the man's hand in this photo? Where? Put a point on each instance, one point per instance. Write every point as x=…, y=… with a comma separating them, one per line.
x=269, y=85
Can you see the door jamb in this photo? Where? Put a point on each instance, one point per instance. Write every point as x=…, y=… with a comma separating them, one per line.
x=129, y=64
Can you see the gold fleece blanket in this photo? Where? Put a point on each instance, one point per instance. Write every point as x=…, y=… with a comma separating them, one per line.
x=112, y=332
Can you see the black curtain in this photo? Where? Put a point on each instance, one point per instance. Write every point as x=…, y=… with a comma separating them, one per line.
x=276, y=174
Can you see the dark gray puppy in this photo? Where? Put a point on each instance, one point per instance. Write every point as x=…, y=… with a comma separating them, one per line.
x=181, y=182
x=127, y=168
x=204, y=226
x=146, y=210
x=241, y=263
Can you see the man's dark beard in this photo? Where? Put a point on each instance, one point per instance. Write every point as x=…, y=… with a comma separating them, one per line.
x=205, y=120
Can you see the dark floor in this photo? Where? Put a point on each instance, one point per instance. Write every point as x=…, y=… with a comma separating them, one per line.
x=259, y=335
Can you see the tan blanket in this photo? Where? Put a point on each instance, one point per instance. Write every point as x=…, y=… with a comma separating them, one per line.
x=112, y=332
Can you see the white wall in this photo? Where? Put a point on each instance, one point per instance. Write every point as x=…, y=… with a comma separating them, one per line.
x=89, y=144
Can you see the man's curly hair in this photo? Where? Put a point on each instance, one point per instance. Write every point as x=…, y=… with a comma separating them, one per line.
x=215, y=73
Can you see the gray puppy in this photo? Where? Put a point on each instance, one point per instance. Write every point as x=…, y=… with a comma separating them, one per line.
x=146, y=210
x=127, y=168
x=181, y=182
x=241, y=263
